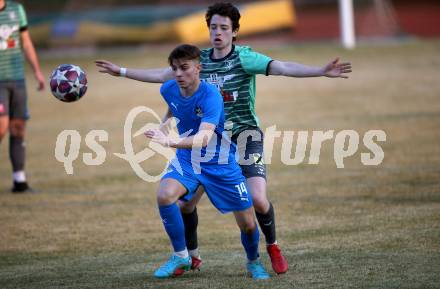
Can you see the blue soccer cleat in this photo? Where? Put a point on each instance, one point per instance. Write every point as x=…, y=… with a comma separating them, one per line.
x=174, y=262
x=257, y=270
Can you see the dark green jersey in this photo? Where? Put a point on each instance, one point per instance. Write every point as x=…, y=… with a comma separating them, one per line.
x=12, y=22
x=234, y=76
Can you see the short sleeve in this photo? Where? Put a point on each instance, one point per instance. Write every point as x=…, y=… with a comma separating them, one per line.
x=23, y=18
x=166, y=89
x=212, y=105
x=254, y=62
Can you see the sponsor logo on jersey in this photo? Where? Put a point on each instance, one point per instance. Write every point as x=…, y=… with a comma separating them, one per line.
x=12, y=15
x=6, y=41
x=219, y=81
x=228, y=96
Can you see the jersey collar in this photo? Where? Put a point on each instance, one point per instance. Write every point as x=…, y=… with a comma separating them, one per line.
x=189, y=98
x=221, y=59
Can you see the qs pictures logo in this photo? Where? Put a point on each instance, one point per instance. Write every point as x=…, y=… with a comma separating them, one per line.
x=67, y=154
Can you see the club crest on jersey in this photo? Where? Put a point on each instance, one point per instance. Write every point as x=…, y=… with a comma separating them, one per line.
x=228, y=64
x=199, y=111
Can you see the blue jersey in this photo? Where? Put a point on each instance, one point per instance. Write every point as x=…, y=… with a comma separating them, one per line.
x=205, y=105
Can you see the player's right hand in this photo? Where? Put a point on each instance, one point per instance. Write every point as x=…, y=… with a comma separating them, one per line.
x=108, y=67
x=40, y=79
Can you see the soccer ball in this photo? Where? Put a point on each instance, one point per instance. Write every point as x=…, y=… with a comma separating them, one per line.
x=68, y=82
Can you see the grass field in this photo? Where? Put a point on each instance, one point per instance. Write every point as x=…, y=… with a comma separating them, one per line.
x=356, y=227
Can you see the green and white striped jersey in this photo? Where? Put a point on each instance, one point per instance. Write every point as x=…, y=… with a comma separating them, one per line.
x=12, y=22
x=234, y=76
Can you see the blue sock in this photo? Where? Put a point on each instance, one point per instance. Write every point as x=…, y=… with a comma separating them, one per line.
x=173, y=223
x=250, y=244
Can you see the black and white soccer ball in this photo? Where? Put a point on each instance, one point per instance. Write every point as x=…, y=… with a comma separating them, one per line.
x=68, y=82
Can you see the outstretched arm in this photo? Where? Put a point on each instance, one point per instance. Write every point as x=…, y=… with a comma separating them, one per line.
x=292, y=69
x=199, y=140
x=158, y=75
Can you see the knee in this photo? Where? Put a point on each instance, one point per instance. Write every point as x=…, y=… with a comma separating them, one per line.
x=17, y=128
x=249, y=227
x=261, y=203
x=187, y=207
x=165, y=197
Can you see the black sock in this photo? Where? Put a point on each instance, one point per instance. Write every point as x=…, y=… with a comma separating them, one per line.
x=191, y=221
x=267, y=224
x=16, y=152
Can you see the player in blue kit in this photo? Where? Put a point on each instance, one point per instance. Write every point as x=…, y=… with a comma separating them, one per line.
x=205, y=157
x=233, y=69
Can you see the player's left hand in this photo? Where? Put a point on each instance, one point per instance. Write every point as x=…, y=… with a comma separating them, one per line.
x=40, y=79
x=156, y=135
x=336, y=69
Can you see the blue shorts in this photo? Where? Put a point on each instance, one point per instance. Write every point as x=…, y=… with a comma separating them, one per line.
x=224, y=184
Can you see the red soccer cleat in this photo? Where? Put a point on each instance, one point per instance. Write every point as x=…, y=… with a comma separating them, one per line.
x=279, y=263
x=196, y=263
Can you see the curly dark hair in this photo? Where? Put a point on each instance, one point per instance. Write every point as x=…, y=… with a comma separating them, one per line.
x=224, y=9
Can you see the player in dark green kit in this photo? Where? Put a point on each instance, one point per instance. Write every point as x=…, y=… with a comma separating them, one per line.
x=14, y=40
x=234, y=76
x=232, y=69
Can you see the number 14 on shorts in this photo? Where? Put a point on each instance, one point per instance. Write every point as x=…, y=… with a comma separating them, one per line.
x=242, y=190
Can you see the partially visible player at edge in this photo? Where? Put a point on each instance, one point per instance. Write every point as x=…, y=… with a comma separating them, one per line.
x=14, y=40
x=232, y=69
x=199, y=108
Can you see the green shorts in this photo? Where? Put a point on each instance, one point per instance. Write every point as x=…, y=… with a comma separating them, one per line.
x=13, y=99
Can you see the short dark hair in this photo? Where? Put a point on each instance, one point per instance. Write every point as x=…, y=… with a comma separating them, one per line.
x=224, y=9
x=185, y=52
